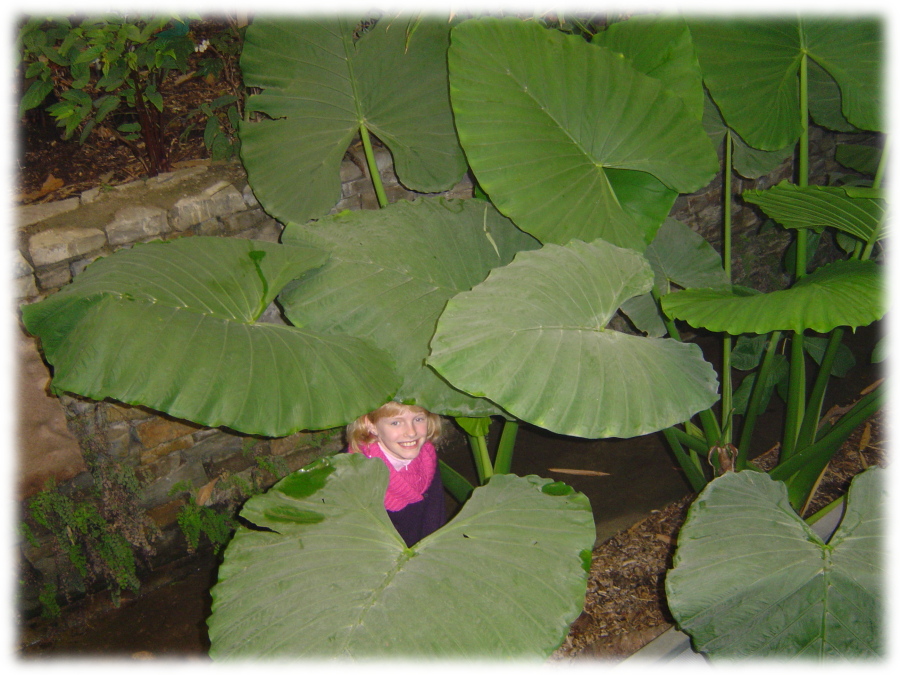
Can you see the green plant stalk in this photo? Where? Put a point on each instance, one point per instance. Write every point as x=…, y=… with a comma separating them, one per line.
x=689, y=463
x=797, y=382
x=373, y=166
x=831, y=441
x=711, y=429
x=478, y=444
x=727, y=403
x=805, y=478
x=755, y=397
x=694, y=443
x=807, y=432
x=793, y=416
x=503, y=460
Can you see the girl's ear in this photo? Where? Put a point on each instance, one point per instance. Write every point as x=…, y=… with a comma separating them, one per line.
x=369, y=426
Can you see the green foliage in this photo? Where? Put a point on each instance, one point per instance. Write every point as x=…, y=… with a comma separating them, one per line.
x=843, y=293
x=525, y=308
x=131, y=305
x=340, y=582
x=460, y=310
x=108, y=71
x=752, y=579
x=323, y=84
x=221, y=117
x=393, y=295
x=614, y=145
x=91, y=546
x=196, y=520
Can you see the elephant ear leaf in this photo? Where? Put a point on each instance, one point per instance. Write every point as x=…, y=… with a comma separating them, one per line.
x=600, y=152
x=321, y=82
x=842, y=293
x=533, y=337
x=503, y=579
x=751, y=579
x=173, y=326
x=860, y=212
x=751, y=66
x=391, y=273
x=680, y=257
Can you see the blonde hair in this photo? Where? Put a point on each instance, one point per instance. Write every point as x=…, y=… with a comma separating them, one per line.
x=358, y=433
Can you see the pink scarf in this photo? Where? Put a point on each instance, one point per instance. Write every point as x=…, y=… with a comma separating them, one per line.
x=408, y=485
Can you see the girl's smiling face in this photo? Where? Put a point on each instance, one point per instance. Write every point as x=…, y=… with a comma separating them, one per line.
x=403, y=435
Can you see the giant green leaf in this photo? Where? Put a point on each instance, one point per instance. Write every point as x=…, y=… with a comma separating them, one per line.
x=679, y=256
x=172, y=326
x=329, y=576
x=567, y=138
x=842, y=293
x=751, y=67
x=857, y=211
x=748, y=162
x=533, y=337
x=825, y=100
x=752, y=579
x=320, y=85
x=390, y=274
x=661, y=47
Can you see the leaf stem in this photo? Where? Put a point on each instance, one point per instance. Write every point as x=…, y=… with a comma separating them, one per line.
x=689, y=462
x=727, y=402
x=374, y=174
x=756, y=394
x=478, y=444
x=503, y=461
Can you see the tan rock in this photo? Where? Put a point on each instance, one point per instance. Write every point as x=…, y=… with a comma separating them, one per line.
x=46, y=446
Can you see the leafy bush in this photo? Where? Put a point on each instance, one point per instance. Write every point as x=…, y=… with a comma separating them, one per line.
x=108, y=72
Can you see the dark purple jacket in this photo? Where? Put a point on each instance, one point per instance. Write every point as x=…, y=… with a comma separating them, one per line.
x=419, y=519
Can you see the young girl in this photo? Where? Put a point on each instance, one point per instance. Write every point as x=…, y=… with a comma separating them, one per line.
x=403, y=437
